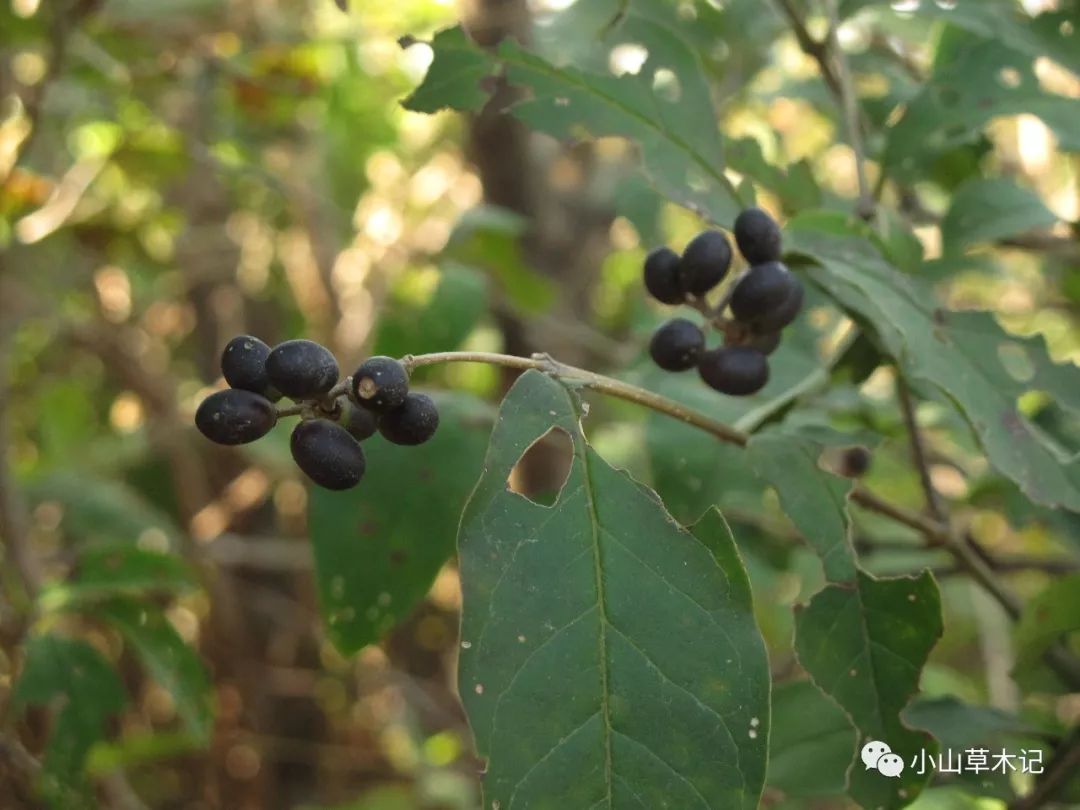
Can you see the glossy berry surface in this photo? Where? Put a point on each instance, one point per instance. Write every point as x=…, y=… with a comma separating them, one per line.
x=381, y=384
x=758, y=236
x=327, y=454
x=677, y=345
x=704, y=262
x=780, y=316
x=235, y=416
x=735, y=370
x=360, y=422
x=413, y=423
x=243, y=363
x=763, y=289
x=301, y=369
x=662, y=276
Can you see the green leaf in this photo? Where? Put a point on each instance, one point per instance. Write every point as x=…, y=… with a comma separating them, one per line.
x=814, y=500
x=1052, y=614
x=169, y=660
x=985, y=81
x=114, y=569
x=440, y=324
x=86, y=691
x=379, y=546
x=489, y=238
x=973, y=361
x=99, y=509
x=455, y=77
x=609, y=657
x=677, y=133
x=864, y=644
x=812, y=742
x=986, y=210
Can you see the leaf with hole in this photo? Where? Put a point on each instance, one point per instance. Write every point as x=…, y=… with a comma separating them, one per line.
x=609, y=657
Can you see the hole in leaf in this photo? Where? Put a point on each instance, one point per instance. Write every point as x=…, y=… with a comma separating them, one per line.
x=627, y=58
x=1017, y=361
x=666, y=85
x=1066, y=28
x=541, y=472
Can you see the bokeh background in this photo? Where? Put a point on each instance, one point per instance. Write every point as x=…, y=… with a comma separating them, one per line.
x=178, y=172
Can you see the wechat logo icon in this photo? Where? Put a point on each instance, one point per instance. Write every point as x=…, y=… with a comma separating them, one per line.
x=878, y=756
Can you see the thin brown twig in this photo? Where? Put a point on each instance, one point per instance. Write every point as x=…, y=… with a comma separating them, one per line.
x=918, y=450
x=810, y=46
x=1059, y=772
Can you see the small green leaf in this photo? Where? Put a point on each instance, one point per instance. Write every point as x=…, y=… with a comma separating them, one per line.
x=379, y=546
x=169, y=660
x=110, y=570
x=864, y=645
x=87, y=692
x=609, y=657
x=455, y=76
x=816, y=501
x=812, y=742
x=986, y=210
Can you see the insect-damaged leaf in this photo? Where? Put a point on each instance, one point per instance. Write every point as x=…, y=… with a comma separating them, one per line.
x=609, y=657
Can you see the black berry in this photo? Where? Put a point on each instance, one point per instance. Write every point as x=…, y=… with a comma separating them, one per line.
x=735, y=370
x=235, y=416
x=776, y=319
x=302, y=369
x=677, y=345
x=360, y=422
x=381, y=384
x=766, y=342
x=704, y=262
x=413, y=423
x=763, y=289
x=758, y=236
x=855, y=462
x=662, y=276
x=327, y=454
x=243, y=362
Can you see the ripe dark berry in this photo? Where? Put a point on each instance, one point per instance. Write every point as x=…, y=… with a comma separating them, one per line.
x=763, y=289
x=360, y=422
x=243, y=362
x=776, y=319
x=381, y=384
x=766, y=342
x=413, y=423
x=758, y=236
x=302, y=369
x=327, y=454
x=855, y=462
x=662, y=276
x=677, y=345
x=235, y=416
x=704, y=262
x=735, y=370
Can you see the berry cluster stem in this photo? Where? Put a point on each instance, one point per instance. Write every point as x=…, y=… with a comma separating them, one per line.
x=935, y=532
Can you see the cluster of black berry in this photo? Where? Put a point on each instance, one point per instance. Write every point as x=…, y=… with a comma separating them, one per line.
x=764, y=300
x=335, y=416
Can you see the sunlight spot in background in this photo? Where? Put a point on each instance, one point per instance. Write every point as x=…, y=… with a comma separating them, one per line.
x=25, y=8
x=126, y=414
x=1035, y=144
x=114, y=293
x=628, y=57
